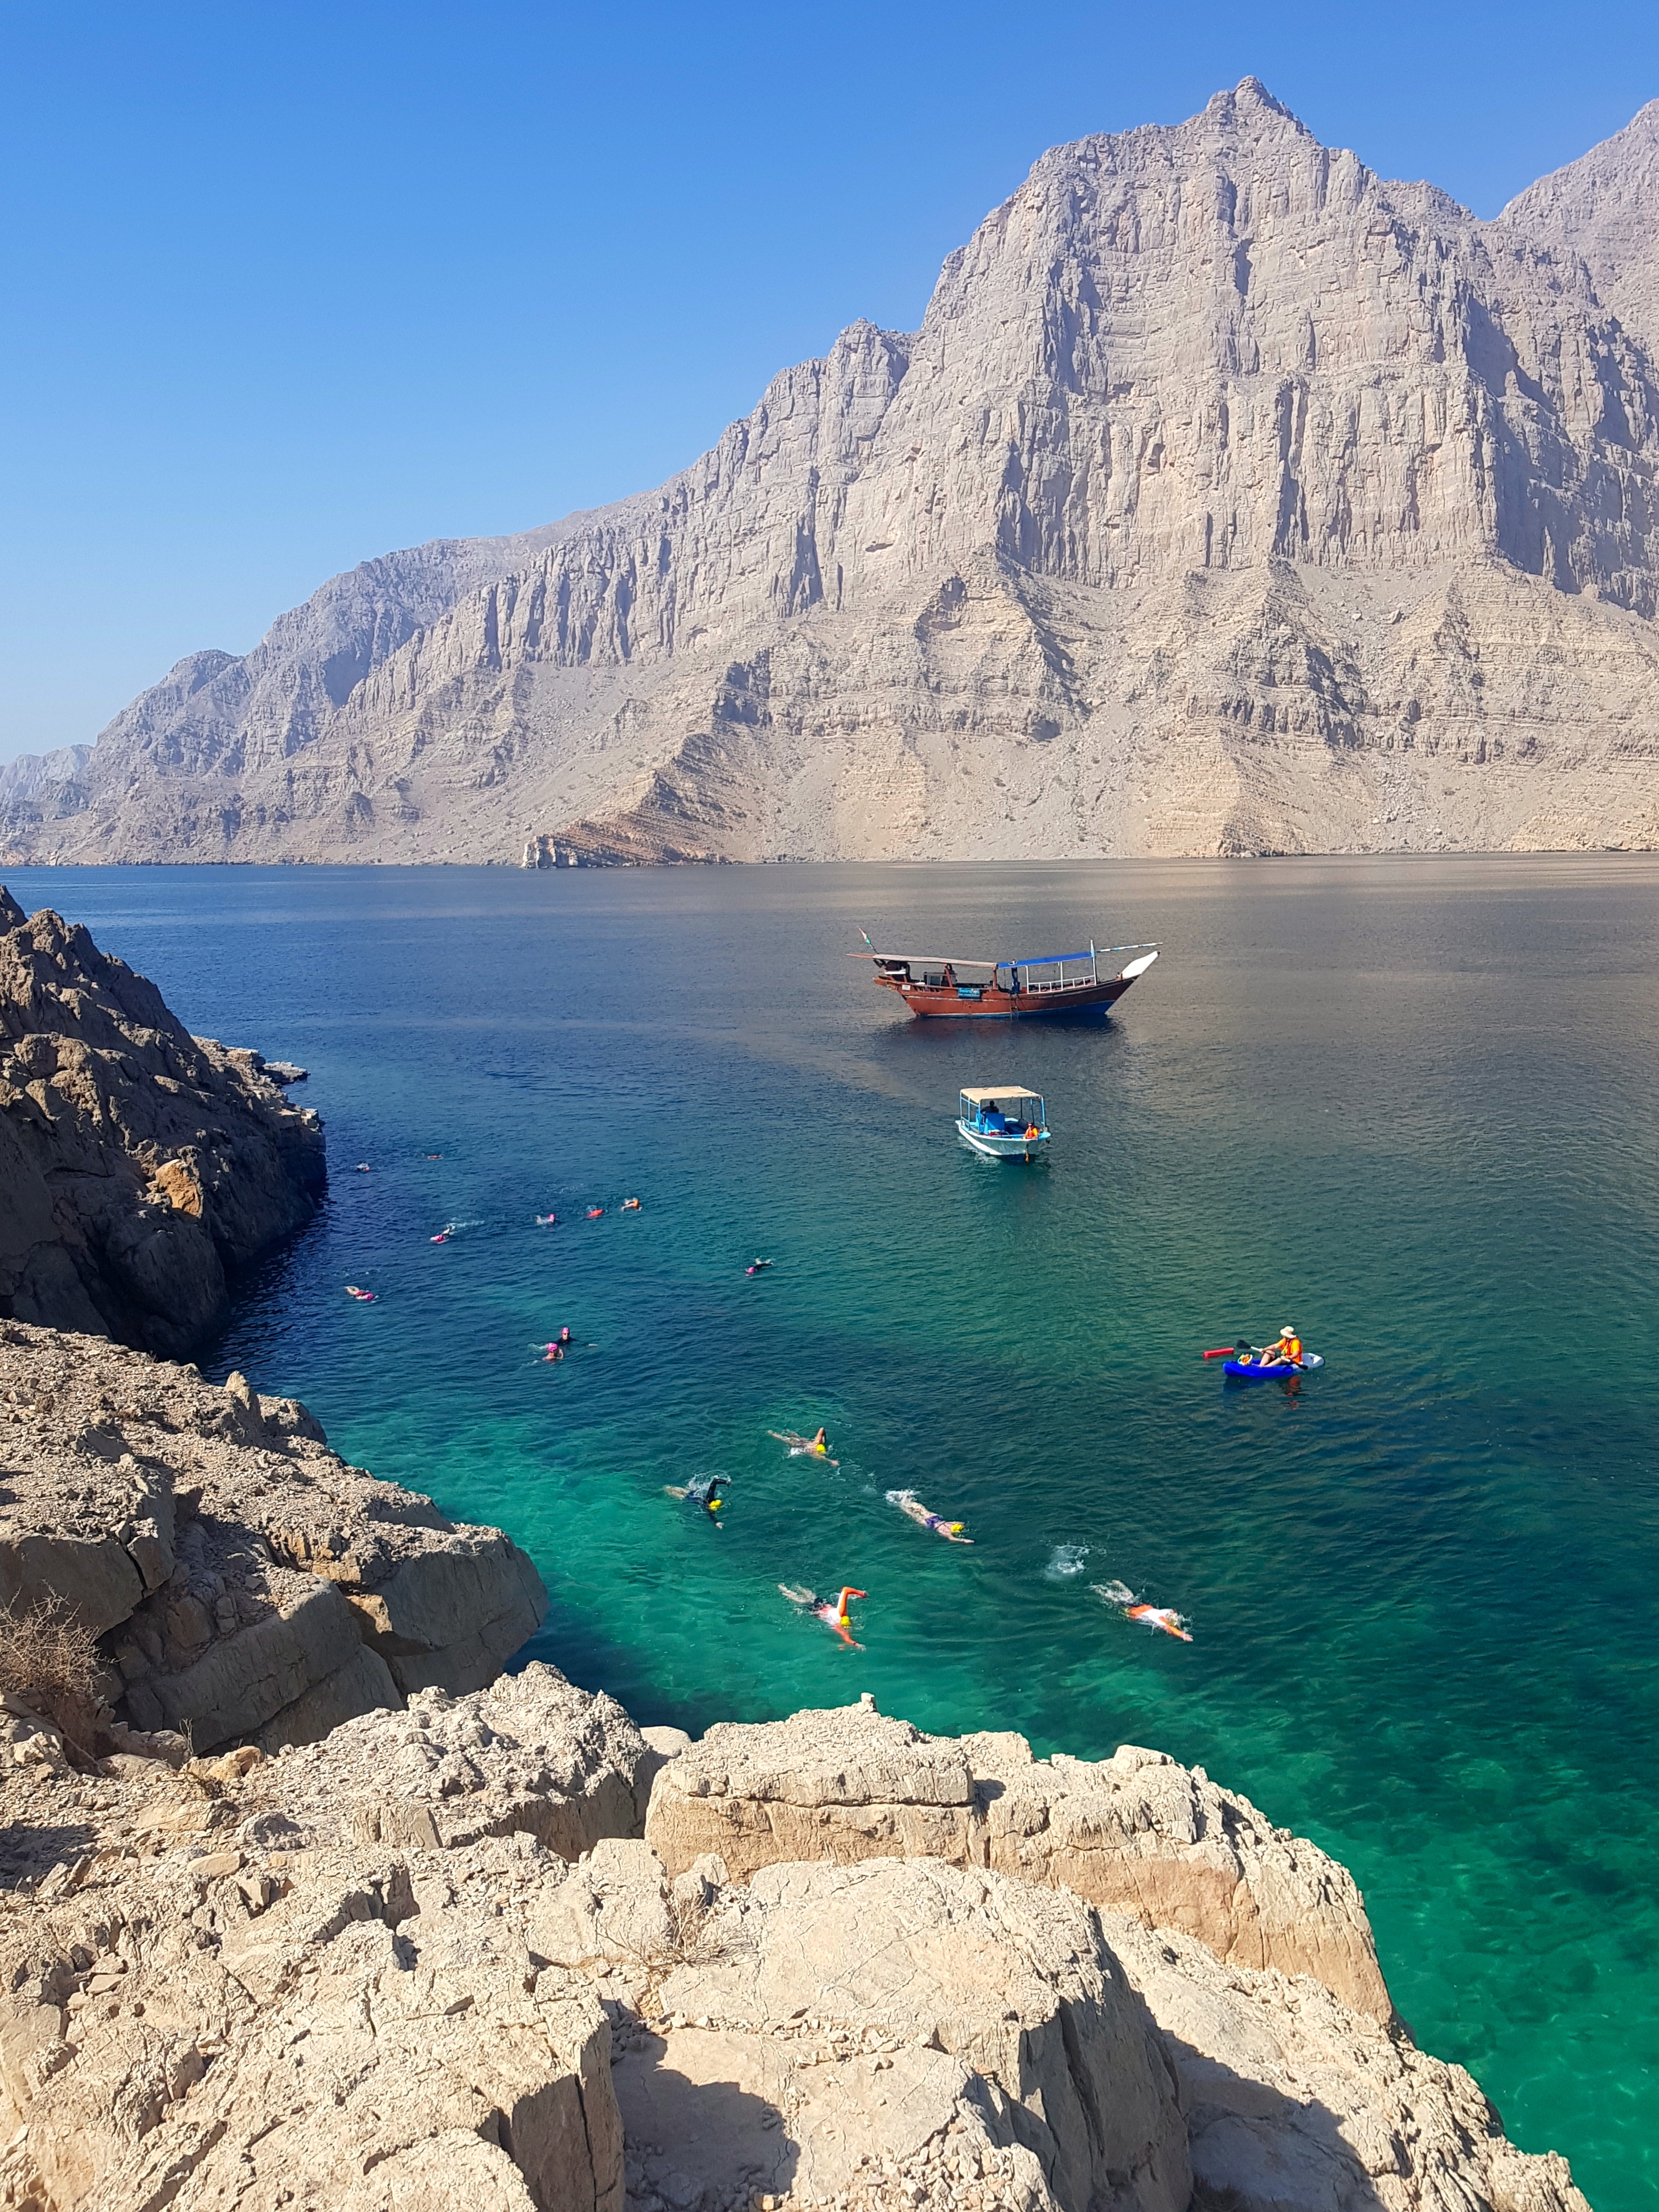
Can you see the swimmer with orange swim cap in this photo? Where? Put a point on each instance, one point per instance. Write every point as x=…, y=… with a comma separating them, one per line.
x=1150, y=1616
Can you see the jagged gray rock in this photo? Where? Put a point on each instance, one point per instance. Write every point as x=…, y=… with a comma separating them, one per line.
x=139, y=1166
x=247, y=1583
x=1230, y=499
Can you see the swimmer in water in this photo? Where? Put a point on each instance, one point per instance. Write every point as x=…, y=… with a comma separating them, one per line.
x=550, y=1353
x=595, y=1212
x=564, y=1336
x=545, y=1220
x=758, y=1266
x=363, y=1168
x=1150, y=1616
x=1159, y=1616
x=364, y=1297
x=705, y=1491
x=630, y=1206
x=800, y=1445
x=442, y=1237
x=832, y=1611
x=907, y=1502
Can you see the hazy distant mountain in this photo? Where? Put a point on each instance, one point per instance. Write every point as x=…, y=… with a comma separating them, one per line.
x=1230, y=499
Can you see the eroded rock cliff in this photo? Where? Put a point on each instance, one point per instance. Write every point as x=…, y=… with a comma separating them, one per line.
x=1136, y=1832
x=139, y=1165
x=246, y=1583
x=1230, y=499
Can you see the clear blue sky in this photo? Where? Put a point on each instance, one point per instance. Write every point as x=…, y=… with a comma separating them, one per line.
x=287, y=283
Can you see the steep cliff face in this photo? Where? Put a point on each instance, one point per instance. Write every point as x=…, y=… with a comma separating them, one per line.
x=1229, y=499
x=138, y=1165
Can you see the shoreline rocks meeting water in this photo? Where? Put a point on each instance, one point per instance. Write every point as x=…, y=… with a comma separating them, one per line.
x=329, y=1913
x=305, y=1903
x=140, y=1167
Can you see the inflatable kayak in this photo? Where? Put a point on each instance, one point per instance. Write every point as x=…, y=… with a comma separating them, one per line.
x=1246, y=1370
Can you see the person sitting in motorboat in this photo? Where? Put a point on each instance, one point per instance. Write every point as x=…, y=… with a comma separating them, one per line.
x=1287, y=1352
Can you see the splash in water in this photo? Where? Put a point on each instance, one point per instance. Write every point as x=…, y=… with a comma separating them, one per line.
x=1065, y=1561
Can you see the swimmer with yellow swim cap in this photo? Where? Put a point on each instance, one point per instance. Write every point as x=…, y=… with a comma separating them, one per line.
x=907, y=1502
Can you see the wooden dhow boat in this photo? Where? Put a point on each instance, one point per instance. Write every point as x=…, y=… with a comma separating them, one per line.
x=1006, y=990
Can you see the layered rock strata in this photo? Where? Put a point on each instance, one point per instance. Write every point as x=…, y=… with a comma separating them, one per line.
x=1135, y=1832
x=139, y=1166
x=247, y=1584
x=1230, y=498
x=369, y=1975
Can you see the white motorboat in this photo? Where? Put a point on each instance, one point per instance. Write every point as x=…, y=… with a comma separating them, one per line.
x=1004, y=1121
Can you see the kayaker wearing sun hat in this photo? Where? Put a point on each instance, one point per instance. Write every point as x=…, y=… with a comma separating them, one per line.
x=1288, y=1348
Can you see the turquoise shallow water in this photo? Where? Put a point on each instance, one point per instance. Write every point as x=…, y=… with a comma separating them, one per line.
x=1406, y=1104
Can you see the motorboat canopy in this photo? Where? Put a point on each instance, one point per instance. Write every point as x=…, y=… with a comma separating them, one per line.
x=1008, y=1090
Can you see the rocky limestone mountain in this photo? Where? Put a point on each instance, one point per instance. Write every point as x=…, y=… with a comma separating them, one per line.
x=139, y=1166
x=1601, y=209
x=1230, y=499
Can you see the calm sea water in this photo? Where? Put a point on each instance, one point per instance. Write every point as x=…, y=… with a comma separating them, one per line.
x=1407, y=1105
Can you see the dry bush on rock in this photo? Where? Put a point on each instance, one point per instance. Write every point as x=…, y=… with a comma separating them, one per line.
x=49, y=1662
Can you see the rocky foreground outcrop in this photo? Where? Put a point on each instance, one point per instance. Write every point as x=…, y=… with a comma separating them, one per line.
x=319, y=1910
x=430, y=1960
x=1135, y=1832
x=139, y=1166
x=247, y=1585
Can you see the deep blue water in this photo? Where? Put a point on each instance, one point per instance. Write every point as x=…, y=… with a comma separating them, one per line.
x=1407, y=1105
